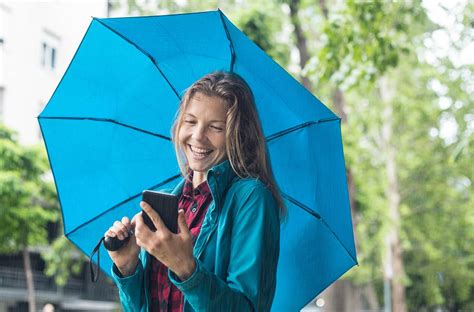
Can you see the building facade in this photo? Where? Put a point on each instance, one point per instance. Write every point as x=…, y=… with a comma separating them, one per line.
x=38, y=39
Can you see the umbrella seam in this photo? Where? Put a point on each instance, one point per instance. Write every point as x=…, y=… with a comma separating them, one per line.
x=340, y=242
x=298, y=127
x=231, y=44
x=318, y=216
x=302, y=206
x=111, y=121
x=144, y=52
x=262, y=81
x=170, y=34
x=121, y=203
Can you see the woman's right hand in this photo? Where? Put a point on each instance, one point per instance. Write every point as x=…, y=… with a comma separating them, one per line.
x=126, y=258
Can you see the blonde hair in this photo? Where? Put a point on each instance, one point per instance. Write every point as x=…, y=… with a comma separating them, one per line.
x=245, y=143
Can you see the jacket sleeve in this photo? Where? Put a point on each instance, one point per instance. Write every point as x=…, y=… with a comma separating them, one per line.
x=251, y=277
x=131, y=289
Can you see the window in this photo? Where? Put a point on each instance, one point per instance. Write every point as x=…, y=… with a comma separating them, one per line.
x=49, y=52
x=48, y=56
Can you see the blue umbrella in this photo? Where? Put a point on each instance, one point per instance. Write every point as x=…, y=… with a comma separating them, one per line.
x=107, y=133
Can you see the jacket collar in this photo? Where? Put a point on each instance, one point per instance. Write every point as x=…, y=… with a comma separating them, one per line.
x=219, y=178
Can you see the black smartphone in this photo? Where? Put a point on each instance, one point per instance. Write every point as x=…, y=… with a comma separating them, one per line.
x=166, y=205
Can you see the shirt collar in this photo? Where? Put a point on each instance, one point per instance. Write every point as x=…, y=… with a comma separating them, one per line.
x=189, y=191
x=219, y=178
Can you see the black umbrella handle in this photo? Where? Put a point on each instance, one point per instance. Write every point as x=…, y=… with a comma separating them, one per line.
x=110, y=243
x=114, y=243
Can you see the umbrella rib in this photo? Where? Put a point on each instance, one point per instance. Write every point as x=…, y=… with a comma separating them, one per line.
x=232, y=51
x=302, y=206
x=121, y=203
x=337, y=237
x=318, y=216
x=297, y=127
x=152, y=59
x=111, y=121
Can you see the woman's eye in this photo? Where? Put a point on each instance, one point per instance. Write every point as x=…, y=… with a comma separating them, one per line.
x=191, y=122
x=217, y=128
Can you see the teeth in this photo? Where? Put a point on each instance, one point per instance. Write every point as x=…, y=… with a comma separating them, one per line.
x=200, y=150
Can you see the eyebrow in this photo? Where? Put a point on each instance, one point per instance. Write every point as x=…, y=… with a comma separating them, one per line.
x=215, y=120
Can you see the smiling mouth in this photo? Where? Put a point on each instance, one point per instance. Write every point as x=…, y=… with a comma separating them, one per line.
x=199, y=152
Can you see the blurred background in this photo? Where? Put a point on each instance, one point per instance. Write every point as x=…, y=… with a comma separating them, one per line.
x=398, y=73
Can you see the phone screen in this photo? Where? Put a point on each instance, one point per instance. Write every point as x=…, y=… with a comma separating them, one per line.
x=166, y=205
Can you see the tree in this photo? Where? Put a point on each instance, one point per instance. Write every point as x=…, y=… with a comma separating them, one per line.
x=27, y=202
x=400, y=157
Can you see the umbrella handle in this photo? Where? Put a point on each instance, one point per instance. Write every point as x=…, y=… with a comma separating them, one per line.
x=110, y=243
x=114, y=243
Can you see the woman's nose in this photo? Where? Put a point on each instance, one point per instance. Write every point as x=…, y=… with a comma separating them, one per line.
x=199, y=132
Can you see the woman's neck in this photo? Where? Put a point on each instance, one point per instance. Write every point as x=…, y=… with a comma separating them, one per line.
x=198, y=178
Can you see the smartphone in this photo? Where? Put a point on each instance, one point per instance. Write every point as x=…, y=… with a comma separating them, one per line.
x=166, y=205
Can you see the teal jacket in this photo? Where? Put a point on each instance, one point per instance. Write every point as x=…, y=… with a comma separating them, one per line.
x=236, y=252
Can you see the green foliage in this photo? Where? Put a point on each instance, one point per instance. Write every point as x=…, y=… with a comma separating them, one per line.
x=26, y=199
x=438, y=221
x=62, y=260
x=363, y=40
x=436, y=209
x=28, y=203
x=262, y=23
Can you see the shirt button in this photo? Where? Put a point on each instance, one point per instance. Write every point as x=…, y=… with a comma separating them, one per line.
x=218, y=172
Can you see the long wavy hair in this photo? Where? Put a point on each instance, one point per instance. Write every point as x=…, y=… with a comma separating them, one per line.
x=245, y=143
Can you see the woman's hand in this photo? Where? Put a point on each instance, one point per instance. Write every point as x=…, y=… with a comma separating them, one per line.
x=126, y=258
x=173, y=250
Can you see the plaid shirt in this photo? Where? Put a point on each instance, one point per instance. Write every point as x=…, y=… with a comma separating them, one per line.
x=164, y=294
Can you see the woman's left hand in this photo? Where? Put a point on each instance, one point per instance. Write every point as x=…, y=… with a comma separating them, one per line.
x=173, y=250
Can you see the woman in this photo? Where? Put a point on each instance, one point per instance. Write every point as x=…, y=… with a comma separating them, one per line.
x=225, y=255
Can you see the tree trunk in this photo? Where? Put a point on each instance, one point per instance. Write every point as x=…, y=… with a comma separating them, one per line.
x=340, y=108
x=300, y=40
x=30, y=285
x=339, y=105
x=394, y=272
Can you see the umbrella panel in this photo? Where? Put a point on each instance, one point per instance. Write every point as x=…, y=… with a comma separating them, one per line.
x=281, y=100
x=309, y=167
x=185, y=49
x=324, y=249
x=94, y=175
x=311, y=258
x=111, y=79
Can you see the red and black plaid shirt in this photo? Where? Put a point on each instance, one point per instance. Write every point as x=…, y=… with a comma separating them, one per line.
x=165, y=296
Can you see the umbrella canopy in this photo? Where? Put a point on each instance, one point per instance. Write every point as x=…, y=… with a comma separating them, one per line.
x=107, y=133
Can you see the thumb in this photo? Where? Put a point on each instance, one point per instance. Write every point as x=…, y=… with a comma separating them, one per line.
x=183, y=227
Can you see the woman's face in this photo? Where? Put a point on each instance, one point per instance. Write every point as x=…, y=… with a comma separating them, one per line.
x=203, y=132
